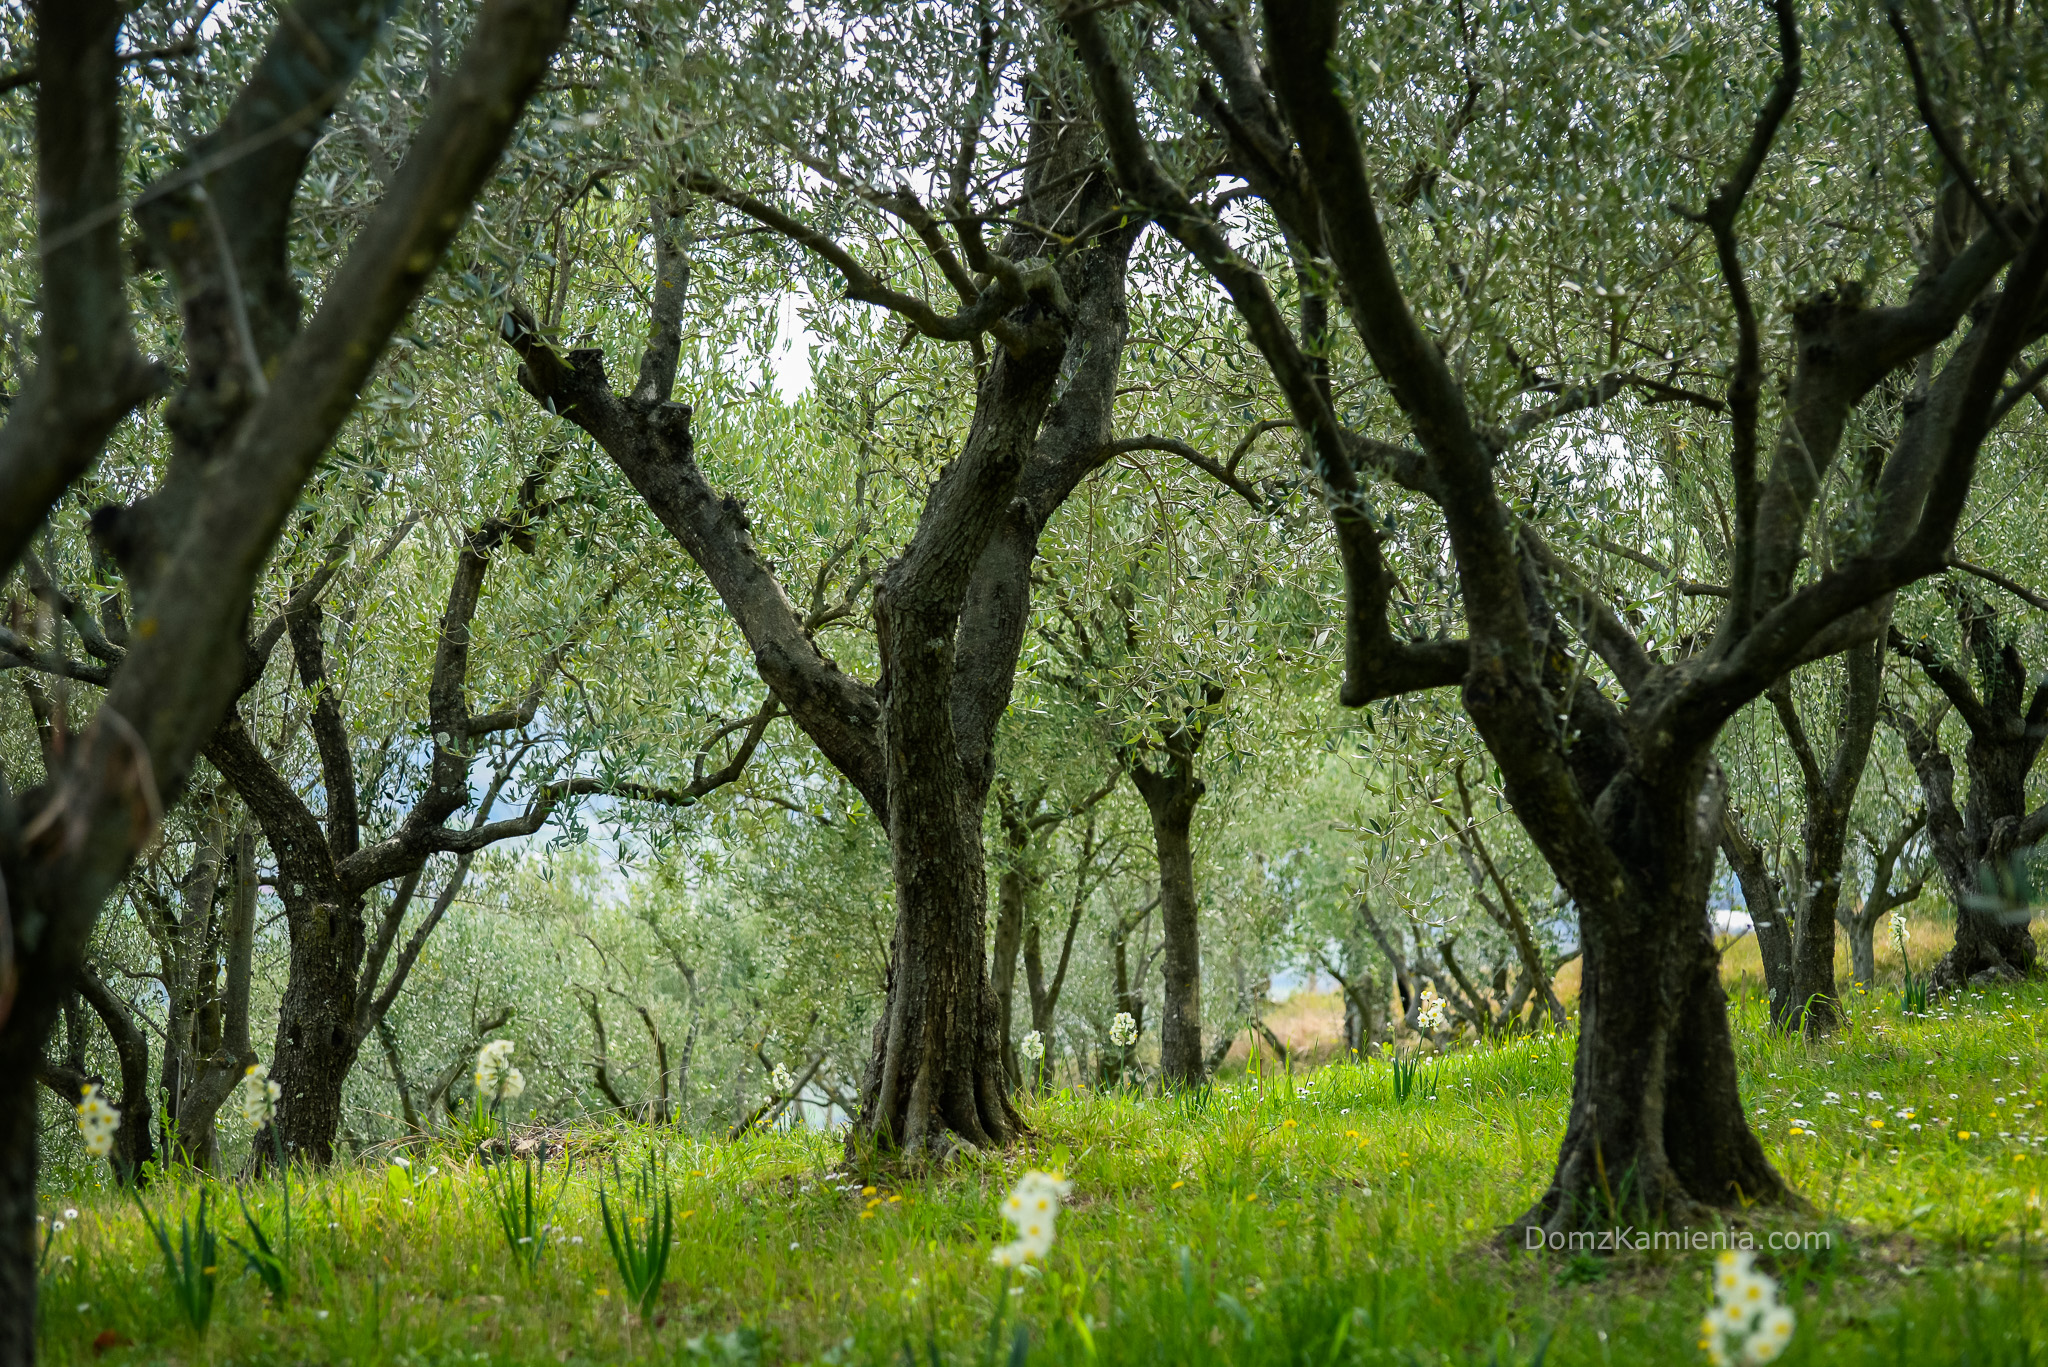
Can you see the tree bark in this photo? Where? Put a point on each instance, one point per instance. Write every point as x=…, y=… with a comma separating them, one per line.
x=1860, y=923
x=1171, y=793
x=1012, y=886
x=1812, y=1002
x=316, y=1038
x=1656, y=1128
x=1763, y=896
x=19, y=1250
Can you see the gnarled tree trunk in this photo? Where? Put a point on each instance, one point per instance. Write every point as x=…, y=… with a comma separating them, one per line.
x=1977, y=847
x=937, y=1072
x=1812, y=1002
x=1656, y=1129
x=1009, y=941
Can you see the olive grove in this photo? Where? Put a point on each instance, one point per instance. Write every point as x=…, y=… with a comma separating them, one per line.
x=847, y=564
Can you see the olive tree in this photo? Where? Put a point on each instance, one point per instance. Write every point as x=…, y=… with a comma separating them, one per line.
x=260, y=396
x=1608, y=760
x=821, y=149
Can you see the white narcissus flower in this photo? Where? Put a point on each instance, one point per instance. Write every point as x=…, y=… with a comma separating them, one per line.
x=784, y=1083
x=496, y=1079
x=1032, y=1208
x=1032, y=1046
x=97, y=1120
x=492, y=1064
x=1123, y=1031
x=1747, y=1324
x=1431, y=1017
x=257, y=1096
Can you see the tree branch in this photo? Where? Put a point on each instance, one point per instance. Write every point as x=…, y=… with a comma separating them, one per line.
x=985, y=314
x=88, y=373
x=1944, y=141
x=2013, y=587
x=1745, y=384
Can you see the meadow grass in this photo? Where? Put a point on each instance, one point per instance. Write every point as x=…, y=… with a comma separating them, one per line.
x=1307, y=1219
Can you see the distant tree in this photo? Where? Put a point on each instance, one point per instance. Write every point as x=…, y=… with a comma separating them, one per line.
x=1984, y=845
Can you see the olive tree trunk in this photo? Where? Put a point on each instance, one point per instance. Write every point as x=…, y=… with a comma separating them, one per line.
x=1979, y=845
x=1171, y=793
x=1656, y=1128
x=230, y=485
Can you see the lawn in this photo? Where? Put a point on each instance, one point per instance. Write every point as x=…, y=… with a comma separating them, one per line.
x=1309, y=1218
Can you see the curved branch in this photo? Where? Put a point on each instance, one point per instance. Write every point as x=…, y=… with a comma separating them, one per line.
x=2011, y=586
x=1944, y=141
x=1745, y=385
x=983, y=315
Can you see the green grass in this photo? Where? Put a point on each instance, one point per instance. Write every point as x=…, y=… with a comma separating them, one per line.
x=1311, y=1220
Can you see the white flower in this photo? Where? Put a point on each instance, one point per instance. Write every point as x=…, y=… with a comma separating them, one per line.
x=1032, y=1208
x=97, y=1121
x=784, y=1083
x=1747, y=1324
x=496, y=1079
x=1432, y=1015
x=258, y=1096
x=1032, y=1046
x=1123, y=1031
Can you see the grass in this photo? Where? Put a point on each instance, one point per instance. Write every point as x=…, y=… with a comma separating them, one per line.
x=1310, y=1219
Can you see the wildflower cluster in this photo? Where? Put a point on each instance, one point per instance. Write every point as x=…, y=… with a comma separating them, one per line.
x=1747, y=1323
x=1123, y=1031
x=784, y=1082
x=1432, y=1015
x=1031, y=1208
x=496, y=1079
x=1032, y=1046
x=258, y=1096
x=97, y=1121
